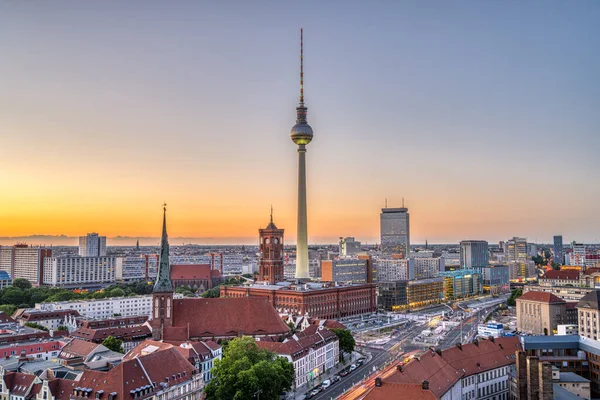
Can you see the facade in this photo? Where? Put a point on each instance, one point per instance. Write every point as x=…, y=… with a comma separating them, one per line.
x=517, y=249
x=48, y=319
x=395, y=269
x=76, y=272
x=327, y=301
x=130, y=336
x=588, y=311
x=104, y=308
x=199, y=277
x=461, y=283
x=522, y=271
x=7, y=259
x=540, y=313
x=348, y=247
x=301, y=135
x=270, y=266
x=28, y=263
x=576, y=256
x=392, y=295
x=92, y=245
x=395, y=231
x=313, y=351
x=428, y=267
x=202, y=355
x=424, y=292
x=474, y=254
x=490, y=329
x=559, y=255
x=130, y=269
x=5, y=279
x=345, y=270
x=495, y=279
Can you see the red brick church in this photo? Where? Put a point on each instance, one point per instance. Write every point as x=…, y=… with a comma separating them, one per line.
x=179, y=320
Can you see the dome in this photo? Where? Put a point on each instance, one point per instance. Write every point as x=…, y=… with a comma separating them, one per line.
x=301, y=134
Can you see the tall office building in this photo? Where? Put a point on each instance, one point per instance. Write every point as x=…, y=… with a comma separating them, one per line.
x=301, y=135
x=7, y=259
x=473, y=254
x=517, y=249
x=395, y=231
x=92, y=245
x=559, y=255
x=29, y=263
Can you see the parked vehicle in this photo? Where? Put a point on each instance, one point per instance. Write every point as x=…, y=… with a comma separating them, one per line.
x=315, y=392
x=335, y=378
x=353, y=367
x=326, y=384
x=344, y=372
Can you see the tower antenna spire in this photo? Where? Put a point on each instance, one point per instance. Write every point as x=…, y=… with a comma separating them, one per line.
x=271, y=213
x=301, y=67
x=403, y=202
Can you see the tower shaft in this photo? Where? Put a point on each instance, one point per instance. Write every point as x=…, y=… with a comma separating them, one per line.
x=302, y=237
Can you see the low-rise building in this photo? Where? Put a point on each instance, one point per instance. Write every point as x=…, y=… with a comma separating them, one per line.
x=490, y=329
x=196, y=276
x=202, y=354
x=495, y=279
x=540, y=313
x=428, y=267
x=131, y=337
x=392, y=295
x=424, y=292
x=76, y=272
x=394, y=269
x=461, y=284
x=588, y=310
x=560, y=278
x=313, y=351
x=345, y=270
x=567, y=293
x=48, y=319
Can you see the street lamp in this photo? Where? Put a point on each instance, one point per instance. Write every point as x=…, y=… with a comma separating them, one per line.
x=257, y=394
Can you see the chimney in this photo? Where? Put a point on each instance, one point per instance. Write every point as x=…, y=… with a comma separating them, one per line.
x=378, y=382
x=521, y=375
x=459, y=345
x=425, y=385
x=533, y=378
x=491, y=338
x=400, y=368
x=545, y=378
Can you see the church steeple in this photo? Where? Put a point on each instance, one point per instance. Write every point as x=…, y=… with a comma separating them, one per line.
x=163, y=279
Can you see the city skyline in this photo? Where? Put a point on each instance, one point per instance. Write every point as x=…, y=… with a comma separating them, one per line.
x=476, y=129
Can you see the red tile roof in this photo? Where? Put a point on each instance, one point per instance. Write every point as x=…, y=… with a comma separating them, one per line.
x=190, y=272
x=389, y=390
x=114, y=322
x=125, y=334
x=590, y=271
x=542, y=297
x=223, y=317
x=310, y=338
x=19, y=383
x=77, y=348
x=570, y=275
x=32, y=316
x=4, y=318
x=443, y=371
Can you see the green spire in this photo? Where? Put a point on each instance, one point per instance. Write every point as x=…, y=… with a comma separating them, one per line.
x=163, y=278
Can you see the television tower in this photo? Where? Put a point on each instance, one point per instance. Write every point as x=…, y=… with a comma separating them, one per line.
x=301, y=135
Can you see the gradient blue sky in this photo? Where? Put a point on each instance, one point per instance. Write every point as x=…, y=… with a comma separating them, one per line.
x=483, y=115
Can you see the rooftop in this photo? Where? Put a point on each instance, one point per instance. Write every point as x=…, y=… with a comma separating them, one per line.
x=590, y=300
x=542, y=297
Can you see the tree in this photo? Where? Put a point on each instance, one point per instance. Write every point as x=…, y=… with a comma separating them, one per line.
x=36, y=326
x=513, y=297
x=346, y=341
x=8, y=309
x=212, y=293
x=62, y=328
x=22, y=283
x=114, y=344
x=245, y=370
x=14, y=296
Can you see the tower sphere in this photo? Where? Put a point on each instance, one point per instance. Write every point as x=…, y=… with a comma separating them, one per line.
x=301, y=134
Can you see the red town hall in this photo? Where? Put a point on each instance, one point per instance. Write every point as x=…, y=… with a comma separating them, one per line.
x=271, y=254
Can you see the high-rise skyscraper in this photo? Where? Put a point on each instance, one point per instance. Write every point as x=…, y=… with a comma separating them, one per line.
x=271, y=254
x=473, y=254
x=559, y=255
x=92, y=245
x=301, y=135
x=395, y=231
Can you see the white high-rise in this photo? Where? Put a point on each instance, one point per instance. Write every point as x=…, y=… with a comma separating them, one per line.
x=301, y=135
x=92, y=245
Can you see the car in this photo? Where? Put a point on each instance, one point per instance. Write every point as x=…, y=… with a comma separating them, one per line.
x=315, y=392
x=326, y=384
x=335, y=378
x=352, y=367
x=344, y=372
x=360, y=361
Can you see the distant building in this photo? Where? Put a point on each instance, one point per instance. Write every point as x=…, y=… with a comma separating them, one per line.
x=130, y=336
x=566, y=293
x=522, y=271
x=7, y=259
x=48, y=319
x=5, y=279
x=104, y=308
x=540, y=313
x=317, y=300
x=473, y=254
x=424, y=292
x=490, y=329
x=75, y=272
x=559, y=257
x=576, y=256
x=197, y=277
x=495, y=279
x=461, y=283
x=92, y=245
x=588, y=309
x=517, y=249
x=29, y=263
x=395, y=231
x=428, y=267
x=393, y=269
x=202, y=355
x=131, y=269
x=560, y=278
x=345, y=270
x=392, y=295
x=348, y=247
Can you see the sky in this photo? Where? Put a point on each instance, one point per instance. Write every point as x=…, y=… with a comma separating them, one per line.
x=481, y=115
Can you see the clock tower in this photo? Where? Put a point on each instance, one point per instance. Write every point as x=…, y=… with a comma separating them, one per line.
x=271, y=253
x=162, y=293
